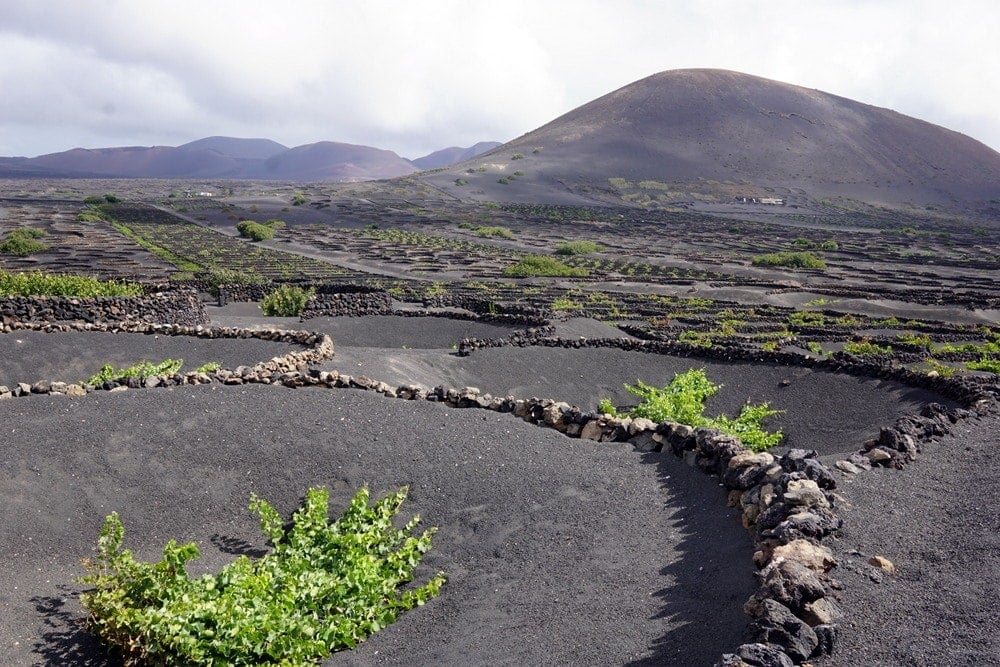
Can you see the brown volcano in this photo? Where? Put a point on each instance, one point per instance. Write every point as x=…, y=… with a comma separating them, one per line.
x=695, y=125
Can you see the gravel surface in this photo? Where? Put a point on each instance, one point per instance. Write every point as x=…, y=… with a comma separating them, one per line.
x=937, y=522
x=828, y=412
x=557, y=550
x=72, y=356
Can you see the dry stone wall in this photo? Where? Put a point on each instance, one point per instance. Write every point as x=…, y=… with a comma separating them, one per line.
x=172, y=307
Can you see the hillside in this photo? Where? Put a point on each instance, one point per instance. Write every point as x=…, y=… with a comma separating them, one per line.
x=453, y=154
x=724, y=133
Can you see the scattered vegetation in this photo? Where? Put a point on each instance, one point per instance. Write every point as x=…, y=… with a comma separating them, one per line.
x=324, y=586
x=542, y=265
x=36, y=283
x=794, y=260
x=286, y=301
x=683, y=401
x=298, y=199
x=23, y=242
x=142, y=369
x=578, y=248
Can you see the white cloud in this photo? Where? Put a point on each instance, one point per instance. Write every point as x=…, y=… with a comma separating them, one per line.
x=419, y=76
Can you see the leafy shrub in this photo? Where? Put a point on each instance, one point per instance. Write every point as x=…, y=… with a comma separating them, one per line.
x=497, y=231
x=208, y=367
x=606, y=407
x=866, y=348
x=683, y=401
x=325, y=586
x=517, y=156
x=93, y=200
x=36, y=283
x=985, y=364
x=298, y=199
x=564, y=303
x=286, y=301
x=23, y=241
x=814, y=347
x=541, y=265
x=255, y=231
x=143, y=369
x=806, y=318
x=795, y=260
x=698, y=338
x=578, y=248
x=803, y=242
x=829, y=245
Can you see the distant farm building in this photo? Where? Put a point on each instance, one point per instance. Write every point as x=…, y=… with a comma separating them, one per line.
x=771, y=201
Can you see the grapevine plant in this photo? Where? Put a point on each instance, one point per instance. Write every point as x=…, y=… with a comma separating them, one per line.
x=325, y=586
x=683, y=401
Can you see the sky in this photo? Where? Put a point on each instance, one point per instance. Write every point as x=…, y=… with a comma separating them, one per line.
x=414, y=76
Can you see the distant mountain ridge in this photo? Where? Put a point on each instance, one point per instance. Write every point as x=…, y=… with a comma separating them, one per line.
x=727, y=133
x=228, y=157
x=451, y=155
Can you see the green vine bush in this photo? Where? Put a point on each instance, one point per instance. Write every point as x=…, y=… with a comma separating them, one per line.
x=36, y=283
x=286, y=301
x=541, y=265
x=142, y=369
x=256, y=231
x=794, y=260
x=23, y=242
x=683, y=401
x=324, y=586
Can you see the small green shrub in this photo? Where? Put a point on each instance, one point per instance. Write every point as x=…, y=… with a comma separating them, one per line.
x=683, y=401
x=578, y=248
x=985, y=364
x=866, y=348
x=143, y=369
x=493, y=232
x=807, y=318
x=324, y=586
x=517, y=156
x=286, y=301
x=564, y=303
x=814, y=347
x=794, y=260
x=298, y=199
x=606, y=407
x=23, y=241
x=542, y=265
x=36, y=283
x=255, y=231
x=829, y=245
x=208, y=367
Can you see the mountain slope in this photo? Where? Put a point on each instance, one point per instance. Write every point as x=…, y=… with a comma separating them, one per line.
x=745, y=133
x=217, y=157
x=247, y=149
x=453, y=154
x=332, y=161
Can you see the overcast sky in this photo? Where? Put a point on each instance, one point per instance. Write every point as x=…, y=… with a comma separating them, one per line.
x=417, y=75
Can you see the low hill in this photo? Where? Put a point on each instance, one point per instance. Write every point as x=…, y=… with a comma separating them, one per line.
x=247, y=149
x=332, y=161
x=725, y=134
x=216, y=157
x=453, y=154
